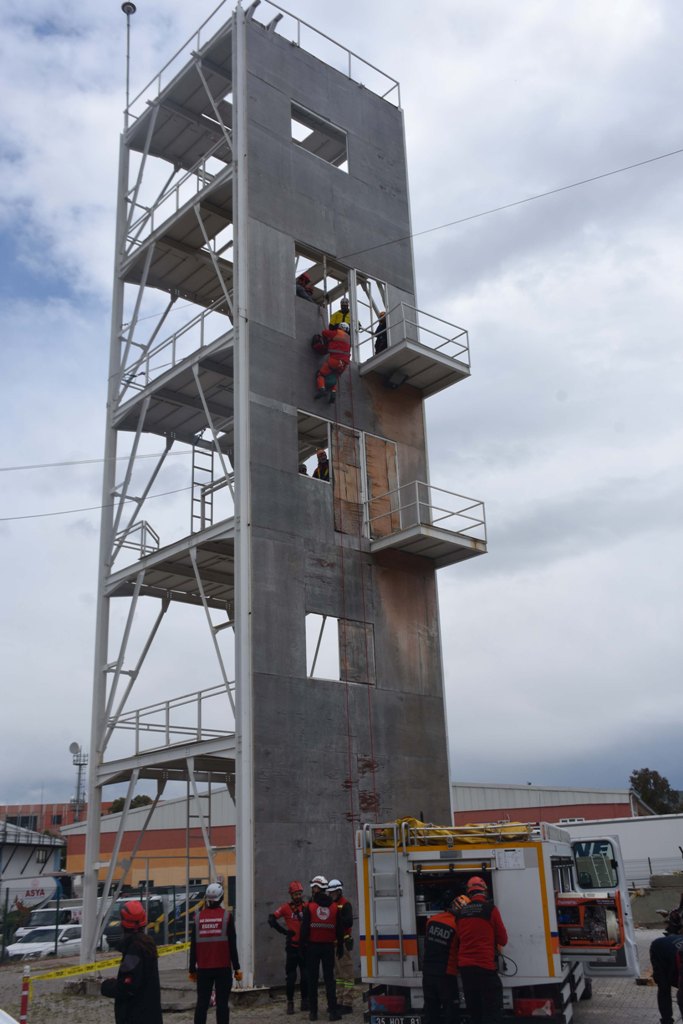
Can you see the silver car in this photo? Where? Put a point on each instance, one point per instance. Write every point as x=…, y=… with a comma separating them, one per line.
x=41, y=942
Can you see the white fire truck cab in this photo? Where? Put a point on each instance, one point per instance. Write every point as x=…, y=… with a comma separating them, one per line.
x=565, y=906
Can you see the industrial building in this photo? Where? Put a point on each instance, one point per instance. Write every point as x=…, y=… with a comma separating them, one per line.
x=29, y=864
x=264, y=151
x=481, y=802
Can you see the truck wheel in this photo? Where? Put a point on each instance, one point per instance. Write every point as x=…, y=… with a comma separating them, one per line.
x=588, y=990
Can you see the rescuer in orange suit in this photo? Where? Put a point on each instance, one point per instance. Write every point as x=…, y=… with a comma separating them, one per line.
x=440, y=969
x=213, y=951
x=337, y=358
x=287, y=920
x=321, y=938
x=481, y=936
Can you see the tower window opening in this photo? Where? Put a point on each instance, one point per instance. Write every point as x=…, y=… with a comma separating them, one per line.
x=320, y=137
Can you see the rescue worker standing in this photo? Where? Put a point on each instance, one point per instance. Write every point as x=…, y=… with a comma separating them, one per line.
x=321, y=937
x=440, y=968
x=666, y=957
x=287, y=920
x=135, y=990
x=342, y=316
x=343, y=964
x=322, y=470
x=213, y=950
x=481, y=935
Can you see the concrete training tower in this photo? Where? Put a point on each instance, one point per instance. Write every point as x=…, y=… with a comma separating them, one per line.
x=265, y=149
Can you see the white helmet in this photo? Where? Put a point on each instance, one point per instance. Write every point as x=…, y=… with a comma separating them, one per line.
x=319, y=881
x=334, y=884
x=345, y=327
x=214, y=892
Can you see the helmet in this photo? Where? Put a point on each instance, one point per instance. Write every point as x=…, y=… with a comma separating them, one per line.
x=382, y=312
x=334, y=884
x=319, y=881
x=674, y=922
x=459, y=902
x=345, y=327
x=133, y=916
x=344, y=302
x=295, y=887
x=304, y=278
x=321, y=453
x=476, y=884
x=214, y=892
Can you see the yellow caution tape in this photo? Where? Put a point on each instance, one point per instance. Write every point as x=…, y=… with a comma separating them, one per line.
x=100, y=965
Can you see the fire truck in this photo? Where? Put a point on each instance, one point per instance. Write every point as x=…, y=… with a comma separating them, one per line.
x=564, y=903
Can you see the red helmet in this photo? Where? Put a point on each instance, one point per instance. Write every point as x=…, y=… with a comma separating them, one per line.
x=304, y=278
x=476, y=884
x=133, y=916
x=295, y=887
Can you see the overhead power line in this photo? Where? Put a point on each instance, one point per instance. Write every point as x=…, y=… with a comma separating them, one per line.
x=517, y=202
x=90, y=508
x=84, y=462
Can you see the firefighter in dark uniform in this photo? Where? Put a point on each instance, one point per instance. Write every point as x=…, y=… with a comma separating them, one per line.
x=136, y=990
x=287, y=920
x=213, y=951
x=321, y=938
x=481, y=936
x=666, y=957
x=343, y=965
x=440, y=969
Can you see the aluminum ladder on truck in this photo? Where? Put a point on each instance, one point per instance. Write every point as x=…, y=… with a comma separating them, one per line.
x=385, y=908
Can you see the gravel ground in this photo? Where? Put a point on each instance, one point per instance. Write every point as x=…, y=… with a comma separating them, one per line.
x=617, y=1001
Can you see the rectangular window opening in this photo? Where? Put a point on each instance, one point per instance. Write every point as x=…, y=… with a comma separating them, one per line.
x=319, y=137
x=313, y=446
x=322, y=647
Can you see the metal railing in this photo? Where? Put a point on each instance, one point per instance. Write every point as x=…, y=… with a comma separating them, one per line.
x=189, y=338
x=177, y=720
x=296, y=30
x=407, y=323
x=141, y=538
x=173, y=198
x=421, y=504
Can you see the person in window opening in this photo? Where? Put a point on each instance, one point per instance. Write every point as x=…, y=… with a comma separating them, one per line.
x=342, y=316
x=302, y=469
x=304, y=288
x=337, y=358
x=322, y=470
x=380, y=332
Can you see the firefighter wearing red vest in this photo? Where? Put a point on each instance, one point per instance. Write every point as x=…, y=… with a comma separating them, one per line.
x=321, y=937
x=287, y=920
x=337, y=358
x=213, y=952
x=343, y=965
x=440, y=969
x=481, y=936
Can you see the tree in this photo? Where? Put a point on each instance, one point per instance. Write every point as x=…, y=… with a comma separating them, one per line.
x=137, y=801
x=655, y=790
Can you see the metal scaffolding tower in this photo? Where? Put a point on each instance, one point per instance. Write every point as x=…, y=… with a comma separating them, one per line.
x=264, y=149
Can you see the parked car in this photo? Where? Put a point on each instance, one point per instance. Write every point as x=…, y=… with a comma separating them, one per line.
x=41, y=942
x=49, y=916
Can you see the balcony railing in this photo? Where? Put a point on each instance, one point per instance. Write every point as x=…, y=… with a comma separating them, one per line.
x=179, y=720
x=420, y=504
x=407, y=323
x=141, y=538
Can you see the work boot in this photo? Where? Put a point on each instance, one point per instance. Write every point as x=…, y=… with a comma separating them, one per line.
x=304, y=1005
x=331, y=397
x=334, y=1015
x=290, y=1007
x=320, y=393
x=313, y=1015
x=345, y=1009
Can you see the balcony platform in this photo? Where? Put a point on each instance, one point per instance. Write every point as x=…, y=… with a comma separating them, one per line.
x=442, y=547
x=424, y=368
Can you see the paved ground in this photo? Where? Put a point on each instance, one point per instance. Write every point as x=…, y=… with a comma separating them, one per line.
x=613, y=1002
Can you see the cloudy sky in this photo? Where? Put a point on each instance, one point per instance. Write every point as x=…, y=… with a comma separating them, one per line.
x=562, y=647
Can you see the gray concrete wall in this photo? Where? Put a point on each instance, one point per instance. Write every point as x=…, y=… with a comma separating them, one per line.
x=329, y=754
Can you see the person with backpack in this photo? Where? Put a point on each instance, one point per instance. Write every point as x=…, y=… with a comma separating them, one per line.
x=481, y=936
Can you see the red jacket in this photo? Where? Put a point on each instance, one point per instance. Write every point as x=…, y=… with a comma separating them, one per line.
x=213, y=944
x=339, y=347
x=291, y=914
x=321, y=923
x=480, y=932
